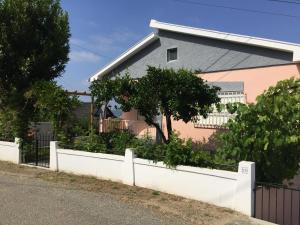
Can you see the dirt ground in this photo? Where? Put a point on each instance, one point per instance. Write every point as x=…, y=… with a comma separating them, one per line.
x=191, y=211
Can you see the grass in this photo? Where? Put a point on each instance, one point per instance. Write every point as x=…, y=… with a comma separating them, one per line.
x=155, y=193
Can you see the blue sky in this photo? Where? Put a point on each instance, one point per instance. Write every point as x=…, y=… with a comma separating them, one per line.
x=102, y=29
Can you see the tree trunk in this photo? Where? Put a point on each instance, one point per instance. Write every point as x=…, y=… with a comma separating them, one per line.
x=102, y=117
x=169, y=126
x=160, y=131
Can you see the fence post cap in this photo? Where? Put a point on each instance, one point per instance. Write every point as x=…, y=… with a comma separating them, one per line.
x=244, y=163
x=129, y=152
x=54, y=143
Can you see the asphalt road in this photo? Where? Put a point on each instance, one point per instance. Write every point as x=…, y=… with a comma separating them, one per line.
x=31, y=201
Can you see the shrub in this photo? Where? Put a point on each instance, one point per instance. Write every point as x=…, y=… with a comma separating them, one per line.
x=91, y=143
x=202, y=158
x=120, y=140
x=177, y=152
x=6, y=126
x=181, y=152
x=146, y=148
x=114, y=142
x=267, y=133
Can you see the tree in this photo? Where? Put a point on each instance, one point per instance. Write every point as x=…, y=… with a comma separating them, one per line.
x=180, y=95
x=267, y=132
x=34, y=46
x=52, y=103
x=105, y=90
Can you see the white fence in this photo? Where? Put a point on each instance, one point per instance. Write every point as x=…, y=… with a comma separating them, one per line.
x=223, y=188
x=9, y=151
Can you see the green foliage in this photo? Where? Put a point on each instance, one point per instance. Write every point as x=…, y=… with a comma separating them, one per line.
x=181, y=152
x=146, y=148
x=267, y=132
x=34, y=46
x=120, y=140
x=203, y=158
x=176, y=152
x=53, y=103
x=7, y=131
x=91, y=143
x=79, y=127
x=180, y=95
x=119, y=88
x=114, y=142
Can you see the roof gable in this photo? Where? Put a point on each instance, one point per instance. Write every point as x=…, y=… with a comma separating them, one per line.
x=242, y=39
x=227, y=37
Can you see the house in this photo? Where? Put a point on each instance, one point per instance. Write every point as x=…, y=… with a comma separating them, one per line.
x=243, y=66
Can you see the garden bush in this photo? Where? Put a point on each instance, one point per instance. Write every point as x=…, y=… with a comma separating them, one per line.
x=6, y=126
x=267, y=133
x=146, y=148
x=176, y=152
x=114, y=142
x=119, y=141
x=181, y=152
x=91, y=143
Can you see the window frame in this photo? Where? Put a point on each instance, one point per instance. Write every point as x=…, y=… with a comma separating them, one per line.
x=217, y=120
x=168, y=52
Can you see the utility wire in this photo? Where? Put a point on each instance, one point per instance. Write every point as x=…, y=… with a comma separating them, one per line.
x=285, y=1
x=236, y=8
x=86, y=49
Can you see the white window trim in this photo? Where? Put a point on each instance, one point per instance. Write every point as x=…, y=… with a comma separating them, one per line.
x=219, y=119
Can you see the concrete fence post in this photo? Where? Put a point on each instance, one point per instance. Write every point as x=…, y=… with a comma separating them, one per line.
x=128, y=170
x=53, y=156
x=245, y=188
x=19, y=151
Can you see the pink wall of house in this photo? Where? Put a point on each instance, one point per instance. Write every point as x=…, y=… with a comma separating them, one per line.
x=137, y=125
x=256, y=81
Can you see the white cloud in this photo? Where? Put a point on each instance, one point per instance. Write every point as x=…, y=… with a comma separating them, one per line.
x=84, y=56
x=106, y=44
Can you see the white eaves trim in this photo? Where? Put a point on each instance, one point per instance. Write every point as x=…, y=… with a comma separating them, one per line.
x=142, y=44
x=243, y=39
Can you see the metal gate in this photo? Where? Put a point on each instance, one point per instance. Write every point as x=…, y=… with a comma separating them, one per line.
x=277, y=203
x=36, y=151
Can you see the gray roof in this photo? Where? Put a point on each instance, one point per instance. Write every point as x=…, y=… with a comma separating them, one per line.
x=229, y=86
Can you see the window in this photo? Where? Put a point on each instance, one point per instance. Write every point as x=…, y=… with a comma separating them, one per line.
x=171, y=54
x=219, y=119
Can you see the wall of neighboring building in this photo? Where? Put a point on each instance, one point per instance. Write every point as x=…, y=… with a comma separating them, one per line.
x=83, y=111
x=256, y=81
x=198, y=53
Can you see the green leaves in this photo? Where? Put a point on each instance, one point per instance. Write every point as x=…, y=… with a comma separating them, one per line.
x=35, y=36
x=180, y=95
x=267, y=132
x=34, y=46
x=52, y=103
